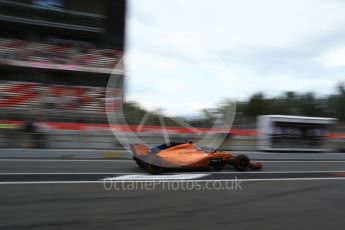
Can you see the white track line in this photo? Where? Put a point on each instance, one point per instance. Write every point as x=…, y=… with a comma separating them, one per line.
x=202, y=172
x=170, y=181
x=237, y=179
x=228, y=180
x=49, y=182
x=300, y=161
x=70, y=160
x=72, y=173
x=170, y=177
x=277, y=172
x=82, y=151
x=130, y=160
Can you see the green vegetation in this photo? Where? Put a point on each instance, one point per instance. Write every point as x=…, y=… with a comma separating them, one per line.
x=289, y=103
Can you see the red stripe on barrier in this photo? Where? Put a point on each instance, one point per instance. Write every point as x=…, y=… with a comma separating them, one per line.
x=146, y=129
x=340, y=174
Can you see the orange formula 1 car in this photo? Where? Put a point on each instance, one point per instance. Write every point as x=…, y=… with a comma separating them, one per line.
x=187, y=156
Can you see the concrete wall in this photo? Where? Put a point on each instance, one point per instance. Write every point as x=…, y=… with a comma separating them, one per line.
x=106, y=140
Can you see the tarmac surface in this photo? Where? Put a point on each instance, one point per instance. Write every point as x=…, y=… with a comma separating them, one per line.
x=116, y=194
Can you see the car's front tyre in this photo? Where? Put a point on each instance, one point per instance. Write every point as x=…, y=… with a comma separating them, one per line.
x=241, y=163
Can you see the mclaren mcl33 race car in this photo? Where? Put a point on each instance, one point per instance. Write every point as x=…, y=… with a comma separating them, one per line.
x=187, y=156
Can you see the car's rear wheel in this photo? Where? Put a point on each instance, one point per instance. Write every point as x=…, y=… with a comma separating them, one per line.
x=154, y=165
x=241, y=163
x=139, y=162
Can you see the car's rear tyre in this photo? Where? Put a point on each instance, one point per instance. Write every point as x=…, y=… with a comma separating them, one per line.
x=139, y=162
x=154, y=165
x=241, y=163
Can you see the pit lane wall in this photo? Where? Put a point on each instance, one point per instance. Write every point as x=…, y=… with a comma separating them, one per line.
x=91, y=136
x=102, y=140
x=106, y=140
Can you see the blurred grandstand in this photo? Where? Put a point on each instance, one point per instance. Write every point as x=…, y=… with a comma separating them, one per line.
x=56, y=57
x=78, y=57
x=52, y=101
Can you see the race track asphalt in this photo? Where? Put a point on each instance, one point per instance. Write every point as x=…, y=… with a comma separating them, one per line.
x=72, y=194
